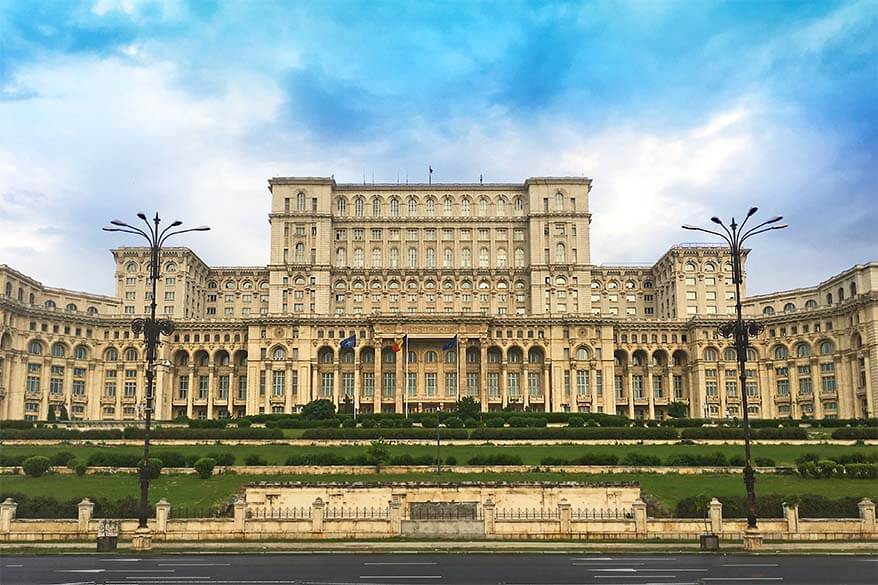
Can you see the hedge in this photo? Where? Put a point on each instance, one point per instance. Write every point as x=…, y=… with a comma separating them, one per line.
x=738, y=433
x=495, y=459
x=575, y=433
x=585, y=459
x=50, y=433
x=30, y=507
x=413, y=433
x=858, y=433
x=172, y=433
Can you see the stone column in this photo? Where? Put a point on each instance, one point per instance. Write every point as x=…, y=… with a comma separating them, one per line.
x=336, y=380
x=190, y=392
x=490, y=509
x=524, y=384
x=870, y=398
x=629, y=387
x=240, y=514
x=317, y=512
x=395, y=516
x=483, y=374
x=7, y=515
x=162, y=513
x=504, y=380
x=791, y=513
x=650, y=392
x=639, y=507
x=715, y=513
x=211, y=379
x=376, y=395
x=85, y=509
x=564, y=515
x=867, y=515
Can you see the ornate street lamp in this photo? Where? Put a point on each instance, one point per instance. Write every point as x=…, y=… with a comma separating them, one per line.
x=151, y=328
x=734, y=235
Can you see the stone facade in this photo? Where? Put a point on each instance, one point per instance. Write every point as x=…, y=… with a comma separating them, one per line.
x=505, y=269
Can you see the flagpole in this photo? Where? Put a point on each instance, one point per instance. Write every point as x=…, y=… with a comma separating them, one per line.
x=405, y=366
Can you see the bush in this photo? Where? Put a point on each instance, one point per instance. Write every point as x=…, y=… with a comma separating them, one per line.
x=717, y=459
x=641, y=460
x=495, y=459
x=471, y=423
x=368, y=424
x=170, y=433
x=253, y=459
x=204, y=467
x=495, y=422
x=224, y=458
x=36, y=466
x=575, y=421
x=152, y=470
x=207, y=423
x=62, y=458
x=348, y=423
x=11, y=460
x=451, y=460
x=388, y=434
x=738, y=433
x=574, y=433
x=861, y=470
x=453, y=422
x=736, y=461
x=319, y=409
x=80, y=468
x=30, y=507
x=244, y=423
x=175, y=459
x=111, y=459
x=762, y=462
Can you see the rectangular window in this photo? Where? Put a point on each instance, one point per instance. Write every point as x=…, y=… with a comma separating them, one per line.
x=369, y=384
x=533, y=384
x=412, y=384
x=242, y=387
x=224, y=387
x=388, y=385
x=110, y=389
x=130, y=389
x=617, y=387
x=582, y=382
x=262, y=383
x=493, y=381
x=783, y=387
x=430, y=384
x=203, y=387
x=599, y=383
x=828, y=383
x=472, y=384
x=731, y=389
x=805, y=386
x=657, y=386
x=78, y=387
x=278, y=382
x=450, y=383
x=678, y=387
x=294, y=381
x=513, y=380
x=637, y=386
x=56, y=386
x=328, y=379
x=710, y=388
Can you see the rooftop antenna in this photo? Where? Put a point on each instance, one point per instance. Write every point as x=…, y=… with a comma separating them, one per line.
x=430, y=174
x=373, y=176
x=397, y=176
x=480, y=180
x=406, y=177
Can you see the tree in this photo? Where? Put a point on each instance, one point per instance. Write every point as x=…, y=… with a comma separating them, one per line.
x=378, y=453
x=346, y=406
x=319, y=409
x=678, y=410
x=467, y=407
x=204, y=467
x=64, y=415
x=36, y=466
x=51, y=416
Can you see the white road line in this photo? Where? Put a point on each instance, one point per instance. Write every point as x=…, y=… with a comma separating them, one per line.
x=80, y=570
x=649, y=570
x=635, y=576
x=750, y=565
x=120, y=560
x=627, y=564
x=742, y=578
x=12, y=566
x=163, y=577
x=400, y=576
x=401, y=563
x=195, y=564
x=138, y=570
x=593, y=559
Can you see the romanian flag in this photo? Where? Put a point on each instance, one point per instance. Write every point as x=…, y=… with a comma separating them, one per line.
x=398, y=345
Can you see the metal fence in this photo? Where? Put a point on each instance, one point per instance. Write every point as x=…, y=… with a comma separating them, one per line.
x=356, y=513
x=600, y=514
x=527, y=514
x=280, y=513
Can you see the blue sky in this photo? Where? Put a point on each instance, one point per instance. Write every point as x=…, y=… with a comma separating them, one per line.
x=678, y=110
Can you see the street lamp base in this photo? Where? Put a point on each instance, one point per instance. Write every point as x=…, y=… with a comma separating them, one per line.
x=752, y=540
x=142, y=540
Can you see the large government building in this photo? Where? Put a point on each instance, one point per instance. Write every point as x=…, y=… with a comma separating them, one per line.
x=495, y=289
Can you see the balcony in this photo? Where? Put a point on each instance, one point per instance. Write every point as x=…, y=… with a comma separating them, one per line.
x=108, y=400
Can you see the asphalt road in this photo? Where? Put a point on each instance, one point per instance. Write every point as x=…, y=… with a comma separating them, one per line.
x=456, y=569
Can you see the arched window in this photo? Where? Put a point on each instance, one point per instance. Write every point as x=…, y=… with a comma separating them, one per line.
x=483, y=257
x=789, y=308
x=448, y=258
x=465, y=207
x=430, y=207
x=80, y=352
x=359, y=257
x=447, y=207
x=752, y=356
x=826, y=347
x=50, y=304
x=412, y=357
x=768, y=311
x=171, y=267
x=58, y=350
x=413, y=258
x=710, y=267
x=582, y=354
x=367, y=356
x=431, y=258
x=840, y=294
x=501, y=207
x=450, y=357
x=803, y=350
x=8, y=289
x=829, y=298
x=729, y=354
x=278, y=354
x=376, y=207
x=810, y=304
x=780, y=352
x=341, y=257
x=394, y=257
x=35, y=347
x=430, y=357
x=710, y=355
x=394, y=207
x=519, y=205
x=131, y=355
x=131, y=267
x=71, y=308
x=515, y=356
x=560, y=253
x=111, y=355
x=535, y=355
x=483, y=207
x=561, y=281
x=853, y=288
x=501, y=258
x=341, y=206
x=559, y=201
x=413, y=207
x=466, y=258
x=388, y=356
x=300, y=201
x=376, y=257
x=299, y=256
x=493, y=355
x=689, y=267
x=519, y=257
x=358, y=207
x=92, y=311
x=347, y=356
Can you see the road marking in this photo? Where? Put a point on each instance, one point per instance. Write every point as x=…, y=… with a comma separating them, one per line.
x=650, y=570
x=195, y=564
x=401, y=563
x=138, y=570
x=12, y=566
x=627, y=564
x=80, y=570
x=750, y=565
x=400, y=576
x=635, y=576
x=742, y=578
x=593, y=559
x=120, y=560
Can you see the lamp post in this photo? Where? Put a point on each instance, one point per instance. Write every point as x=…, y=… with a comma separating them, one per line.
x=151, y=328
x=735, y=235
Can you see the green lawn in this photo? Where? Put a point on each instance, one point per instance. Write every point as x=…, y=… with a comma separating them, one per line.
x=190, y=491
x=530, y=454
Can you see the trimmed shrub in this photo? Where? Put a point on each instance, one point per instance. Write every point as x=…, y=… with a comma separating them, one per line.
x=861, y=470
x=255, y=460
x=717, y=459
x=224, y=458
x=856, y=433
x=62, y=458
x=471, y=423
x=641, y=460
x=574, y=433
x=152, y=470
x=169, y=433
x=176, y=459
x=204, y=467
x=244, y=423
x=453, y=422
x=495, y=459
x=111, y=459
x=80, y=468
x=762, y=462
x=389, y=434
x=495, y=422
x=36, y=466
x=451, y=460
x=575, y=421
x=738, y=433
x=11, y=460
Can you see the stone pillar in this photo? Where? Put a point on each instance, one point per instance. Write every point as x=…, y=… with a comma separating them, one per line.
x=715, y=513
x=7, y=515
x=650, y=392
x=162, y=513
x=142, y=540
x=752, y=539
x=564, y=515
x=317, y=512
x=867, y=515
x=639, y=507
x=395, y=516
x=483, y=374
x=85, y=508
x=791, y=513
x=490, y=509
x=240, y=516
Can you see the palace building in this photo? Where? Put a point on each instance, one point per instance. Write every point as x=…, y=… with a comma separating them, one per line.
x=493, y=288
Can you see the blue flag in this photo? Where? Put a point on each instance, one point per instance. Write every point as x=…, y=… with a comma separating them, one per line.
x=349, y=342
x=450, y=344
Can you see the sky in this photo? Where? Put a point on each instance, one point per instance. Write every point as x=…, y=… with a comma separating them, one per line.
x=678, y=111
